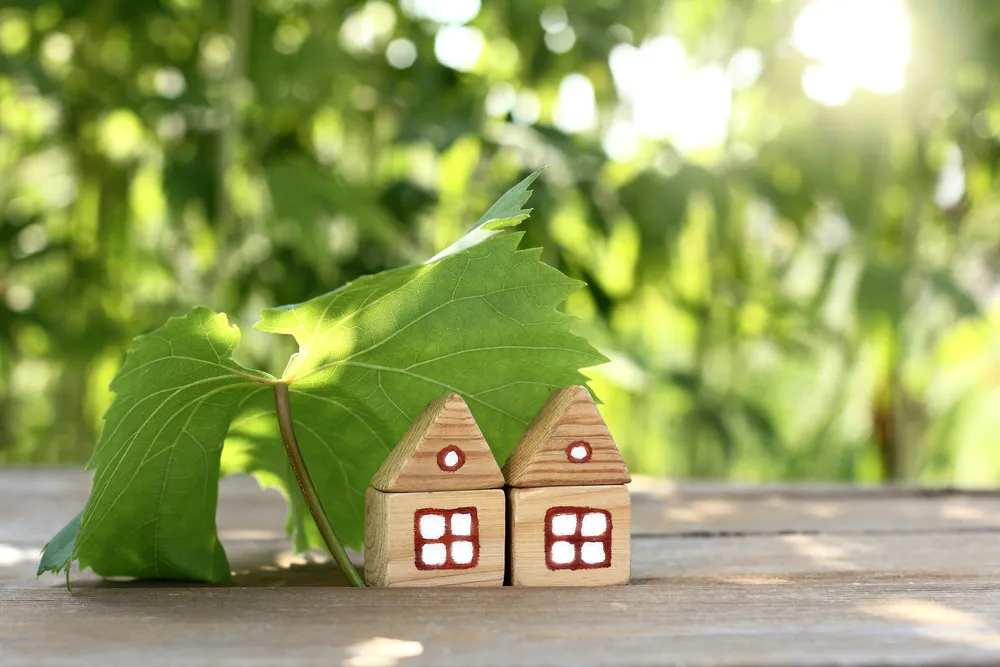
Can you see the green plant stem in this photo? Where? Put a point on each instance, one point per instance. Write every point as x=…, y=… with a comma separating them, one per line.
x=284, y=410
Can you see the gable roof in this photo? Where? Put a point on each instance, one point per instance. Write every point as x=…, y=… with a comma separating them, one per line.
x=444, y=450
x=567, y=444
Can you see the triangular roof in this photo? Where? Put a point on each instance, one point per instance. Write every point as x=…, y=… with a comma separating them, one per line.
x=444, y=450
x=567, y=444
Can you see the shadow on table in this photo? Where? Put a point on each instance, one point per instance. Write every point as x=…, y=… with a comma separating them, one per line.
x=254, y=563
x=297, y=575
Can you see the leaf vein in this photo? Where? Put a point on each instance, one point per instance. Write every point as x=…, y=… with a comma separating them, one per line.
x=403, y=371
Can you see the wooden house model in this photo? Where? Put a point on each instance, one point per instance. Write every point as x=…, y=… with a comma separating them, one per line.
x=568, y=506
x=435, y=513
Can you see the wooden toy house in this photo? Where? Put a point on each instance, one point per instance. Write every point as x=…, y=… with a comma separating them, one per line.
x=568, y=506
x=435, y=513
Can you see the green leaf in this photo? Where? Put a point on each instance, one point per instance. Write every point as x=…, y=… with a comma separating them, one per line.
x=151, y=512
x=481, y=322
x=341, y=441
x=58, y=553
x=507, y=211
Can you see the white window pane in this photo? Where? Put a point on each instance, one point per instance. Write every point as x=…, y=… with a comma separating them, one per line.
x=592, y=553
x=431, y=526
x=563, y=524
x=562, y=553
x=433, y=554
x=451, y=459
x=594, y=524
x=461, y=524
x=578, y=453
x=461, y=552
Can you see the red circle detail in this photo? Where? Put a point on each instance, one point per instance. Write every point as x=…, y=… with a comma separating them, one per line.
x=574, y=445
x=444, y=453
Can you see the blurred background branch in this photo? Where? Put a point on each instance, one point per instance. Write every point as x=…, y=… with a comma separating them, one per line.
x=786, y=213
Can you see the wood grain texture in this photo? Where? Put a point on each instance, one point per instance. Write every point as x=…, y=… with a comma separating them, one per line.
x=919, y=557
x=526, y=515
x=413, y=463
x=658, y=506
x=660, y=510
x=860, y=621
x=721, y=575
x=540, y=458
x=389, y=538
x=36, y=502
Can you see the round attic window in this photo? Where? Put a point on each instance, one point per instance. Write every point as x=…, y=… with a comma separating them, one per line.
x=451, y=458
x=579, y=452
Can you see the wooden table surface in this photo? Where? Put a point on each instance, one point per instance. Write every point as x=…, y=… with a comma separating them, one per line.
x=721, y=574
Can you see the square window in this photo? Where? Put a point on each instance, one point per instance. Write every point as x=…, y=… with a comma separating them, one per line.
x=592, y=553
x=461, y=552
x=433, y=554
x=461, y=524
x=594, y=524
x=445, y=539
x=577, y=538
x=564, y=524
x=431, y=526
x=562, y=552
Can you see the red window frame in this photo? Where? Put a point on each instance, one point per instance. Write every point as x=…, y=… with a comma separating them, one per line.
x=447, y=539
x=588, y=451
x=444, y=453
x=577, y=539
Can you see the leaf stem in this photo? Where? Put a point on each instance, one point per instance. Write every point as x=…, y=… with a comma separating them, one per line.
x=284, y=410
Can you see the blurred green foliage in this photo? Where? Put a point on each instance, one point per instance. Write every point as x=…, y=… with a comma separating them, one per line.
x=811, y=293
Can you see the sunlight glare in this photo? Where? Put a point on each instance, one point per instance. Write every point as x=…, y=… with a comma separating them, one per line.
x=11, y=555
x=381, y=652
x=670, y=97
x=857, y=43
x=445, y=12
x=826, y=85
x=576, y=107
x=951, y=181
x=621, y=141
x=459, y=47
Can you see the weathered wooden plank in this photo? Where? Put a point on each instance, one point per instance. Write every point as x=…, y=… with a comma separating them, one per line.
x=36, y=503
x=664, y=514
x=805, y=620
x=263, y=562
x=658, y=508
x=736, y=489
x=917, y=555
x=766, y=576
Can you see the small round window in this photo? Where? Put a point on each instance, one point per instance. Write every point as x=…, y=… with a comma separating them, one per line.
x=451, y=458
x=579, y=452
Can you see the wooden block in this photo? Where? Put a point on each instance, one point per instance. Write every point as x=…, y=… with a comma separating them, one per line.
x=569, y=536
x=444, y=450
x=567, y=444
x=440, y=538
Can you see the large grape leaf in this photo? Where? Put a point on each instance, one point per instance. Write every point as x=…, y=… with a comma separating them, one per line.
x=151, y=511
x=480, y=321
